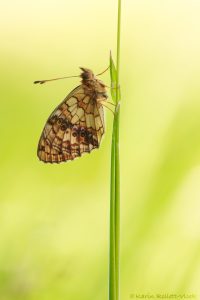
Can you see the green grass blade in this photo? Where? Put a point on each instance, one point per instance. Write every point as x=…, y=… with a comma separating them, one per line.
x=113, y=76
x=114, y=253
x=112, y=270
x=114, y=197
x=115, y=93
x=112, y=256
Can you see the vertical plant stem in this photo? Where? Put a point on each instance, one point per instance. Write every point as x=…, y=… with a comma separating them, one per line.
x=117, y=157
x=112, y=277
x=118, y=41
x=114, y=251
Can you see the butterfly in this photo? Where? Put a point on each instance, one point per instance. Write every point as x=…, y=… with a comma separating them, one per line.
x=77, y=125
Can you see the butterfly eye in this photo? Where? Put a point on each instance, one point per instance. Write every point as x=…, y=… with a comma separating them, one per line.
x=105, y=95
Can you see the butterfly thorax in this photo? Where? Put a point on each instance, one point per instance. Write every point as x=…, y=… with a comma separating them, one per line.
x=93, y=86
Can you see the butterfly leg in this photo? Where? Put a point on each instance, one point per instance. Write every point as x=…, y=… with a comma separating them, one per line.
x=103, y=71
x=112, y=87
x=111, y=103
x=104, y=102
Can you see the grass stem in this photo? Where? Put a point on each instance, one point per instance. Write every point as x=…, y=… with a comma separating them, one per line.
x=114, y=251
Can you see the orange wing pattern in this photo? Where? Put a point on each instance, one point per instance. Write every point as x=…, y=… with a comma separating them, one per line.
x=75, y=127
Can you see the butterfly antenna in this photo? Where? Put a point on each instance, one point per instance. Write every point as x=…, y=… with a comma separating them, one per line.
x=103, y=71
x=46, y=80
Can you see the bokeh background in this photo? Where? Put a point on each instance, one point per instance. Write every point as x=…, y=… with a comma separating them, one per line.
x=54, y=219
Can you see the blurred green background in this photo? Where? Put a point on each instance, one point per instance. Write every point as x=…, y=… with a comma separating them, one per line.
x=54, y=219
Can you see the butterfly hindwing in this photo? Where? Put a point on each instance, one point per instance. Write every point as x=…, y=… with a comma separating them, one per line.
x=75, y=127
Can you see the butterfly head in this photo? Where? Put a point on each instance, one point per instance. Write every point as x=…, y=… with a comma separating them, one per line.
x=93, y=84
x=87, y=74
